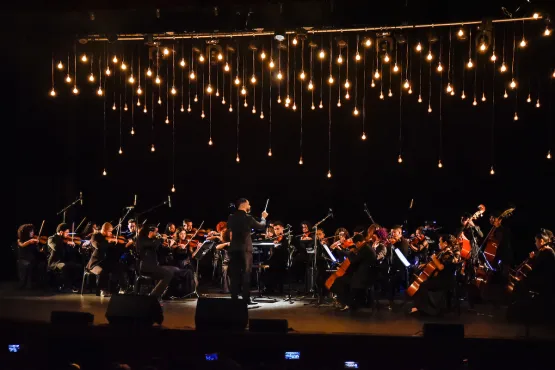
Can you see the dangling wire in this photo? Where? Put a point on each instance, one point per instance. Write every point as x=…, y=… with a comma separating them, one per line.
x=294, y=107
x=203, y=88
x=339, y=78
x=492, y=159
x=363, y=136
x=120, y=118
x=400, y=158
x=191, y=74
x=279, y=73
x=311, y=83
x=514, y=77
x=270, y=104
x=329, y=112
x=288, y=96
x=430, y=85
x=183, y=77
x=253, y=84
x=210, y=97
x=237, y=159
x=167, y=93
x=262, y=88
x=321, y=105
x=420, y=78
x=440, y=164
x=356, y=78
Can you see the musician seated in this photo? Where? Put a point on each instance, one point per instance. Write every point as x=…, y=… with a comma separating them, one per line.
x=534, y=294
x=340, y=245
x=300, y=254
x=276, y=267
x=105, y=261
x=177, y=254
x=431, y=297
x=351, y=288
x=30, y=267
x=62, y=258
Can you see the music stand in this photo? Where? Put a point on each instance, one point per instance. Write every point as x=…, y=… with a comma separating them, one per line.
x=261, y=298
x=201, y=251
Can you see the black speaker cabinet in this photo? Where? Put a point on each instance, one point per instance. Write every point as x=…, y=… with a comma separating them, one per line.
x=134, y=310
x=221, y=314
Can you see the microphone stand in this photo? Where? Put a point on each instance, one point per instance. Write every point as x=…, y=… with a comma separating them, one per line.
x=151, y=209
x=65, y=209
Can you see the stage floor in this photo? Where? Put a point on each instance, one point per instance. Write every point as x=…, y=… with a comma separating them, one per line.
x=485, y=322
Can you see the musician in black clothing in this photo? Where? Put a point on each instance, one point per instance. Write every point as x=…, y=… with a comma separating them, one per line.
x=105, y=261
x=147, y=246
x=240, y=249
x=28, y=262
x=397, y=269
x=62, y=258
x=300, y=255
x=275, y=268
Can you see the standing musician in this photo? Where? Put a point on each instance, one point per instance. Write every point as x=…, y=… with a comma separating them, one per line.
x=61, y=258
x=504, y=257
x=148, y=244
x=28, y=263
x=323, y=261
x=105, y=260
x=240, y=249
x=470, y=232
x=275, y=268
x=222, y=248
x=351, y=288
x=433, y=294
x=397, y=270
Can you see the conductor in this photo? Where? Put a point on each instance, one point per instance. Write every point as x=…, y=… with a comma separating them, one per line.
x=240, y=249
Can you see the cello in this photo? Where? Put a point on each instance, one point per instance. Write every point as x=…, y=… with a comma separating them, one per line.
x=428, y=271
x=491, y=243
x=343, y=268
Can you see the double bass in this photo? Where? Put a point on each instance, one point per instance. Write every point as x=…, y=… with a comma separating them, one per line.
x=466, y=247
x=491, y=243
x=428, y=271
x=520, y=273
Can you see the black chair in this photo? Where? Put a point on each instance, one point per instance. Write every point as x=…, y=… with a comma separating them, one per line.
x=140, y=278
x=87, y=276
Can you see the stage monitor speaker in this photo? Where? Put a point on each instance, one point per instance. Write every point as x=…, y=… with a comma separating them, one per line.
x=213, y=314
x=71, y=318
x=268, y=326
x=449, y=331
x=136, y=310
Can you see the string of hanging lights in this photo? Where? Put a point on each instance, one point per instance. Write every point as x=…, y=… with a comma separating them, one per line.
x=400, y=70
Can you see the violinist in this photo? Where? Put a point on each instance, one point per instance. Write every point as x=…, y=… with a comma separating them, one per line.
x=28, y=261
x=165, y=255
x=419, y=247
x=222, y=249
x=340, y=243
x=433, y=294
x=397, y=269
x=104, y=261
x=276, y=266
x=534, y=296
x=61, y=258
x=300, y=254
x=188, y=225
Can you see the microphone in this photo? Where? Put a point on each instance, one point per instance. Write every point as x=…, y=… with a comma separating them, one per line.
x=81, y=197
x=330, y=211
x=135, y=201
x=130, y=207
x=169, y=201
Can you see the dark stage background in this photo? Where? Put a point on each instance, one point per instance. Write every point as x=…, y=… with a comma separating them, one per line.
x=58, y=144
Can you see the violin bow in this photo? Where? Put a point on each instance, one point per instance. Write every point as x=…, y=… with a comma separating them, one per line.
x=80, y=223
x=195, y=234
x=41, y=226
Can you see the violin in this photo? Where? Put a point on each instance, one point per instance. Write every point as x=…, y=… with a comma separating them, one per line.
x=40, y=239
x=74, y=239
x=116, y=239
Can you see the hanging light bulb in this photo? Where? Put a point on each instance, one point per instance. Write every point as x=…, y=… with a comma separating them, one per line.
x=339, y=59
x=449, y=88
x=192, y=75
x=272, y=64
x=406, y=85
x=536, y=15
x=295, y=41
x=329, y=174
x=91, y=77
x=475, y=102
x=104, y=173
x=132, y=131
x=237, y=81
x=512, y=84
x=452, y=92
x=75, y=90
x=223, y=100
x=152, y=148
x=253, y=109
x=429, y=57
x=460, y=33
x=201, y=58
x=463, y=96
x=230, y=108
x=279, y=75
x=173, y=189
x=99, y=92
x=209, y=89
x=483, y=47
x=114, y=106
x=400, y=159
x=547, y=32
x=294, y=107
x=226, y=67
x=166, y=51
x=210, y=142
x=217, y=92
x=310, y=85
x=189, y=108
x=120, y=151
x=158, y=80
x=410, y=90
x=439, y=67
x=347, y=96
x=538, y=103
x=368, y=43
x=221, y=57
x=377, y=74
x=549, y=154
x=243, y=91
x=52, y=92
x=125, y=107
x=263, y=55
x=439, y=164
x=60, y=65
x=68, y=78
x=138, y=102
x=313, y=107
x=131, y=79
x=505, y=95
x=419, y=47
x=529, y=99
x=491, y=171
x=503, y=67
x=253, y=79
x=84, y=58
x=347, y=84
x=115, y=59
x=390, y=93
x=139, y=90
x=159, y=101
x=515, y=117
x=270, y=152
x=553, y=75
x=429, y=108
x=330, y=80
x=470, y=64
x=523, y=42
x=355, y=112
x=202, y=115
x=145, y=110
x=245, y=104
x=395, y=68
x=182, y=109
x=279, y=99
x=303, y=76
x=261, y=115
x=493, y=57
x=149, y=72
x=419, y=98
x=483, y=96
x=237, y=158
x=301, y=161
x=182, y=63
x=339, y=103
x=321, y=105
x=381, y=95
x=357, y=57
x=386, y=58
x=363, y=137
x=123, y=66
x=372, y=83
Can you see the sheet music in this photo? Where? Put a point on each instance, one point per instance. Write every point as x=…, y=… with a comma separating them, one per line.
x=328, y=251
